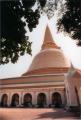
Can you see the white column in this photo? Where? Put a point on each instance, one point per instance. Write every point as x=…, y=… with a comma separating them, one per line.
x=48, y=98
x=0, y=97
x=9, y=99
x=71, y=95
x=62, y=97
x=80, y=95
x=34, y=98
x=20, y=99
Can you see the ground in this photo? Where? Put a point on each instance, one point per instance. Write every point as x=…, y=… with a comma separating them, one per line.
x=35, y=114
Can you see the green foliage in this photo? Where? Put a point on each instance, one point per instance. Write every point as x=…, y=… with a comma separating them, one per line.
x=71, y=20
x=13, y=41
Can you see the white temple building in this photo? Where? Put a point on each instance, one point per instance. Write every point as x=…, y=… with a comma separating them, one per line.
x=49, y=81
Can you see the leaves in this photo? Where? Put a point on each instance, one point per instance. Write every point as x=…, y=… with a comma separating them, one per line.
x=71, y=20
x=13, y=41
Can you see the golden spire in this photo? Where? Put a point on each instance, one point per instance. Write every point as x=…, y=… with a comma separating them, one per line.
x=48, y=40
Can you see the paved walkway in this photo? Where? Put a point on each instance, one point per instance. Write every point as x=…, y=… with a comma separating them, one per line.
x=35, y=114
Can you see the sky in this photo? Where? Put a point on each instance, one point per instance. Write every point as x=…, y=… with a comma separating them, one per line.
x=70, y=49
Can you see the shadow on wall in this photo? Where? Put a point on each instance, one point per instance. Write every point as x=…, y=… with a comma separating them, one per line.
x=3, y=117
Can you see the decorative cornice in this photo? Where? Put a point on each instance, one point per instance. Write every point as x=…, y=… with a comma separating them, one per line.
x=32, y=84
x=43, y=71
x=34, y=75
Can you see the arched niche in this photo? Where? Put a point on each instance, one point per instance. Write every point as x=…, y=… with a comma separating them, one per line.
x=41, y=100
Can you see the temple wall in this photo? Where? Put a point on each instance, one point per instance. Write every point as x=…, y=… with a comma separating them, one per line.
x=80, y=95
x=34, y=92
x=73, y=91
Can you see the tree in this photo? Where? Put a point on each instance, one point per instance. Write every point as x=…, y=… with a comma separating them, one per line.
x=70, y=22
x=68, y=16
x=13, y=41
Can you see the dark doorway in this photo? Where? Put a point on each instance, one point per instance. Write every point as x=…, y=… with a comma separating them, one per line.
x=56, y=100
x=15, y=100
x=41, y=100
x=4, y=100
x=27, y=100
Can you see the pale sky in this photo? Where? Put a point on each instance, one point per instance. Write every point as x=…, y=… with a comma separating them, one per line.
x=37, y=36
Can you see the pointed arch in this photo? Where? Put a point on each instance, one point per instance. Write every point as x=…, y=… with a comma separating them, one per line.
x=15, y=100
x=27, y=100
x=41, y=100
x=4, y=100
x=56, y=99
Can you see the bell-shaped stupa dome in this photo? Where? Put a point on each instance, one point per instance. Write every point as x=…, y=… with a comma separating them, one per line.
x=50, y=59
